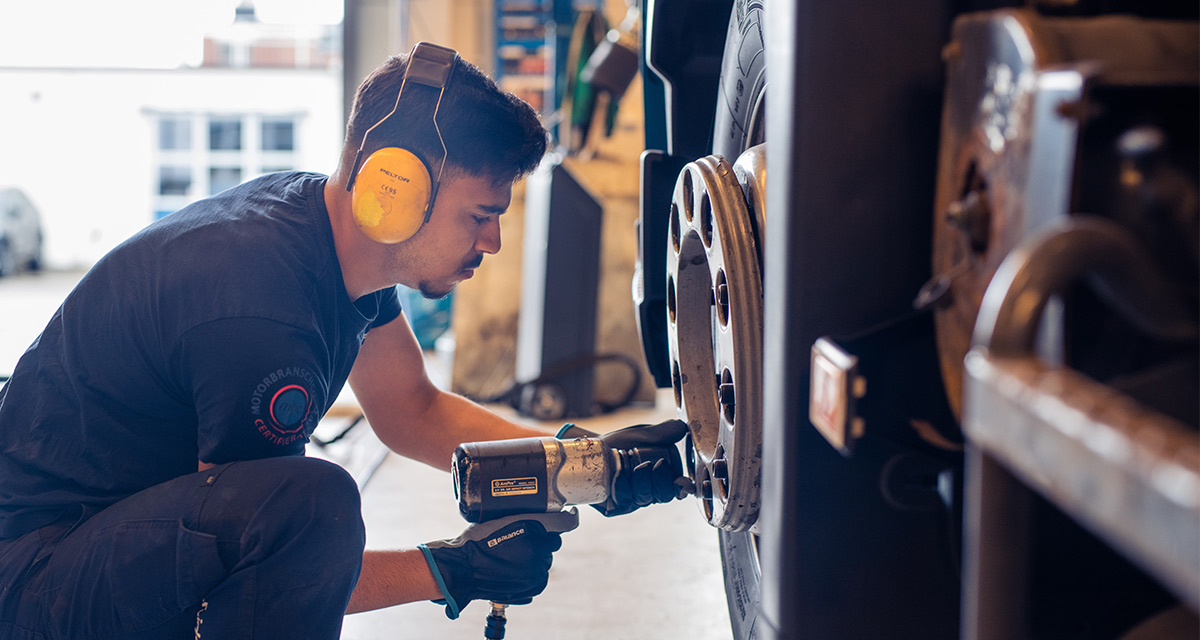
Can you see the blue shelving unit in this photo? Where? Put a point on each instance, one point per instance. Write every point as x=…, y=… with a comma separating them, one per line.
x=532, y=37
x=521, y=49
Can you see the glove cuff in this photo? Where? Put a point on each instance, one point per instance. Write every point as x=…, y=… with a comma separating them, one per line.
x=452, y=608
x=569, y=431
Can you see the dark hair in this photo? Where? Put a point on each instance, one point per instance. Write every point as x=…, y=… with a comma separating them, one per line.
x=487, y=131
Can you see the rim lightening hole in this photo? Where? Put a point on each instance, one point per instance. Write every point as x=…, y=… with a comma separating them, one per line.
x=671, y=304
x=721, y=298
x=725, y=393
x=687, y=194
x=677, y=384
x=675, y=226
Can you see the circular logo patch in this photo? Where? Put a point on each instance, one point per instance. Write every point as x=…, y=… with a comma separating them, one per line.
x=282, y=402
x=289, y=408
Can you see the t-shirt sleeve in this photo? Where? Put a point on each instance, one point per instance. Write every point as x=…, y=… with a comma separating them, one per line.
x=258, y=387
x=389, y=307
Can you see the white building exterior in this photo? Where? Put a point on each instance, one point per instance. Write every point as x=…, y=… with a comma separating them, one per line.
x=104, y=152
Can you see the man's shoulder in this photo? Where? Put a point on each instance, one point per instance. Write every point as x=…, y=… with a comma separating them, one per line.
x=260, y=249
x=275, y=196
x=277, y=213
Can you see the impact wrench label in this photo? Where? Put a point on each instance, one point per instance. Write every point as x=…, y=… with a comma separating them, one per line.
x=508, y=536
x=502, y=487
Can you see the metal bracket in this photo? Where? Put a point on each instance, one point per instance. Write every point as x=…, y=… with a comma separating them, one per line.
x=833, y=392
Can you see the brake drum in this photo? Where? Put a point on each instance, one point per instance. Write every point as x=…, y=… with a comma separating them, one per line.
x=1004, y=171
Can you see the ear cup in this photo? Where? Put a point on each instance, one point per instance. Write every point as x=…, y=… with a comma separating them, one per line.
x=390, y=195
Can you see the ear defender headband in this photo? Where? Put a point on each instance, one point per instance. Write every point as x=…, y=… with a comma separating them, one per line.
x=392, y=194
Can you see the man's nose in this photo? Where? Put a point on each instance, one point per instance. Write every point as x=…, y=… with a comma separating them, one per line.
x=488, y=240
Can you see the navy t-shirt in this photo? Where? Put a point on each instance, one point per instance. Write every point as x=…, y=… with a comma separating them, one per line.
x=222, y=332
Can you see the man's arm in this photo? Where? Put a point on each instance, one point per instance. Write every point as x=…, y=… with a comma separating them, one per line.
x=409, y=414
x=392, y=577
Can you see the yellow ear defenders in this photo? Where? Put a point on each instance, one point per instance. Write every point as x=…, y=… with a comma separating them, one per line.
x=392, y=193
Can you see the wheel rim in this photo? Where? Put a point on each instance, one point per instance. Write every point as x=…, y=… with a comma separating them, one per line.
x=714, y=315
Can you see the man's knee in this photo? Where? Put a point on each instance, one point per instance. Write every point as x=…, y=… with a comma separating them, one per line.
x=311, y=480
x=306, y=501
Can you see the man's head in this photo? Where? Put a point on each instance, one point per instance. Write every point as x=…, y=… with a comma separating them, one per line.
x=491, y=138
x=487, y=132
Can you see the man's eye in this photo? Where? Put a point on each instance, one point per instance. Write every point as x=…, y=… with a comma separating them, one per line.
x=480, y=219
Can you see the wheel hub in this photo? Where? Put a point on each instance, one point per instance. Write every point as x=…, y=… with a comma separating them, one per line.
x=714, y=316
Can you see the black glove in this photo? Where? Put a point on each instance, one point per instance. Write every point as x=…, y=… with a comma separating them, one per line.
x=506, y=560
x=640, y=483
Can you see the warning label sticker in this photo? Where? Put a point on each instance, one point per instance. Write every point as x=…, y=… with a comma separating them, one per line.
x=514, y=487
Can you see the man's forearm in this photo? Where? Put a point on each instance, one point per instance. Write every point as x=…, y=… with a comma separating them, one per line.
x=448, y=420
x=392, y=577
x=408, y=412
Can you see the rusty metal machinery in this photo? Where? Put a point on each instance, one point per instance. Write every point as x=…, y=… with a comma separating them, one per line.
x=1017, y=98
x=1132, y=475
x=1079, y=402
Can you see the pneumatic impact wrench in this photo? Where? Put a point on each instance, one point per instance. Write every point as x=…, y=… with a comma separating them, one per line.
x=501, y=478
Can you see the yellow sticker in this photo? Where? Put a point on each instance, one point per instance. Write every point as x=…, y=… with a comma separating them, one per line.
x=514, y=487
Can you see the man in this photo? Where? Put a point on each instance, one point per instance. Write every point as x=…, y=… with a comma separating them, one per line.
x=152, y=478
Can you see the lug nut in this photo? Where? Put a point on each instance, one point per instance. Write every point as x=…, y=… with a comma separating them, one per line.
x=971, y=216
x=726, y=393
x=720, y=296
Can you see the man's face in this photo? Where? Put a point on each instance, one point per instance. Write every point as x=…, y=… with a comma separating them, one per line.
x=464, y=225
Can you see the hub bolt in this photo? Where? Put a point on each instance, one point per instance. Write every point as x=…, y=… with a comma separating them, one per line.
x=971, y=216
x=726, y=393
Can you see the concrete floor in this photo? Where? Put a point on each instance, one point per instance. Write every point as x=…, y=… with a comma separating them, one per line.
x=653, y=574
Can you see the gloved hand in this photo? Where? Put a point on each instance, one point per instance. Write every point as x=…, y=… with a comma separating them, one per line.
x=640, y=483
x=506, y=560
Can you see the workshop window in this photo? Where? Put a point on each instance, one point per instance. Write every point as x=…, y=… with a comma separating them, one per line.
x=278, y=135
x=225, y=134
x=239, y=147
x=222, y=178
x=175, y=134
x=174, y=180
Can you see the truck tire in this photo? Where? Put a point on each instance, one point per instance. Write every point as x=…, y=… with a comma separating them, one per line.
x=739, y=562
x=740, y=124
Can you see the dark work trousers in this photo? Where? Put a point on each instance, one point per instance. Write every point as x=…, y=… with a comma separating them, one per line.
x=263, y=549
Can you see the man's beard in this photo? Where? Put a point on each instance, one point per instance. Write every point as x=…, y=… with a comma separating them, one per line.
x=429, y=293
x=427, y=290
